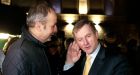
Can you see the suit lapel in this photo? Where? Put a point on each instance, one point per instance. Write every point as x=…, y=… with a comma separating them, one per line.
x=98, y=62
x=83, y=62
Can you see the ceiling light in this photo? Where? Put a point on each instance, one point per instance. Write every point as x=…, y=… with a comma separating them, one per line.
x=83, y=8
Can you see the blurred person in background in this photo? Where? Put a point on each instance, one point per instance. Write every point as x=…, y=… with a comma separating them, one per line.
x=53, y=53
x=132, y=52
x=26, y=56
x=112, y=42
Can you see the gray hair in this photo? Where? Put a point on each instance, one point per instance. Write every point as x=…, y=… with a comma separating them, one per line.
x=38, y=12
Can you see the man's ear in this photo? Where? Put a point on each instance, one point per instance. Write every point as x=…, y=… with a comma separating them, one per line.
x=38, y=26
x=97, y=35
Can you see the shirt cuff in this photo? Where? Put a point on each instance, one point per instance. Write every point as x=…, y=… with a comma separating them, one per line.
x=67, y=66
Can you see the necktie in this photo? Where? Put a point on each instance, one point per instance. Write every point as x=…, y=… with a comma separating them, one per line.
x=87, y=65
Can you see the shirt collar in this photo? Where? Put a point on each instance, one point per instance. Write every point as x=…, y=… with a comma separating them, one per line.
x=96, y=50
x=94, y=54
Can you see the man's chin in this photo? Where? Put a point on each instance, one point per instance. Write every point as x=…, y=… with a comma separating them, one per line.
x=88, y=51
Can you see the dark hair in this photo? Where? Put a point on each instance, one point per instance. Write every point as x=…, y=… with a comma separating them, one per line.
x=82, y=23
x=38, y=12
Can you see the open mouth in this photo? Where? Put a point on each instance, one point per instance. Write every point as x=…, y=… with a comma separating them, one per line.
x=87, y=48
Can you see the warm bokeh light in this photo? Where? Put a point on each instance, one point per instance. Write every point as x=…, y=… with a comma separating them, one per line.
x=68, y=30
x=83, y=7
x=69, y=18
x=4, y=36
x=27, y=13
x=97, y=19
x=100, y=31
x=6, y=2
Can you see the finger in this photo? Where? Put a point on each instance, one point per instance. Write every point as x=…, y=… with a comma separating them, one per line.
x=75, y=47
x=77, y=53
x=70, y=48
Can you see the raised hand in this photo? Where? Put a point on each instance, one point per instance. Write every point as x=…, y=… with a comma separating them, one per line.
x=73, y=53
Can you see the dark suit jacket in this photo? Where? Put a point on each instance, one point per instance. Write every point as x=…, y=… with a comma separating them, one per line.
x=105, y=63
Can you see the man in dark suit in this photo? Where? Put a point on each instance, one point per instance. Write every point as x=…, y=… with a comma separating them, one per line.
x=103, y=61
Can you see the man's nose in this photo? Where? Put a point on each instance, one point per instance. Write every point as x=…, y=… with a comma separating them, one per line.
x=85, y=42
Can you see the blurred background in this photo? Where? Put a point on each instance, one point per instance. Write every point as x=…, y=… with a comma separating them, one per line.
x=117, y=22
x=118, y=15
x=110, y=16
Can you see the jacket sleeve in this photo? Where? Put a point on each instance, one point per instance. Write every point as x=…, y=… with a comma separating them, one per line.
x=14, y=64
